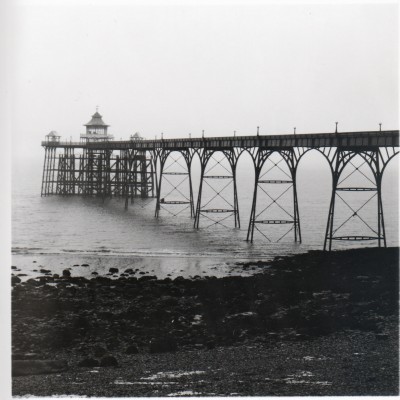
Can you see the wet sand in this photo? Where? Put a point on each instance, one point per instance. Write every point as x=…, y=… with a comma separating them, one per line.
x=312, y=324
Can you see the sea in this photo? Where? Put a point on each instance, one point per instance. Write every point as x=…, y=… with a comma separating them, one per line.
x=89, y=235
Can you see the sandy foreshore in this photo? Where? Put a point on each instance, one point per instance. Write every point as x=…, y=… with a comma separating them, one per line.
x=312, y=324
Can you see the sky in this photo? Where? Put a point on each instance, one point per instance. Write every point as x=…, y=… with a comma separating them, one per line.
x=179, y=69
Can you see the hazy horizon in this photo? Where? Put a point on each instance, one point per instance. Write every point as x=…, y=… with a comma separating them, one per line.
x=179, y=69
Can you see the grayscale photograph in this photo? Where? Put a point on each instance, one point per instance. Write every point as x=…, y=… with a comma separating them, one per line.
x=204, y=198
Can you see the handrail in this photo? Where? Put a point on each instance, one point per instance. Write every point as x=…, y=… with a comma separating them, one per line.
x=294, y=140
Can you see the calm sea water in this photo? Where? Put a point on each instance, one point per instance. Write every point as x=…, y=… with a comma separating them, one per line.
x=60, y=232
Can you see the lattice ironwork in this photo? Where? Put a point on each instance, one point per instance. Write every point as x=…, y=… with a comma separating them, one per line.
x=217, y=199
x=280, y=165
x=358, y=172
x=174, y=183
x=100, y=173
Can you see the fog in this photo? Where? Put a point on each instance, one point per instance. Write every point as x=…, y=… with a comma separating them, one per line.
x=179, y=69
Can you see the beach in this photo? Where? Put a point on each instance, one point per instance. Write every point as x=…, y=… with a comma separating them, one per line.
x=318, y=323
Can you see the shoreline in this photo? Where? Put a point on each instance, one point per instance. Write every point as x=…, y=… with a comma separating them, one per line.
x=27, y=266
x=304, y=319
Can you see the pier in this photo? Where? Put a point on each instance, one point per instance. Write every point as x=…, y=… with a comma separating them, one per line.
x=101, y=166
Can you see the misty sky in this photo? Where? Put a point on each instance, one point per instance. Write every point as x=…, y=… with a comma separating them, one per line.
x=178, y=69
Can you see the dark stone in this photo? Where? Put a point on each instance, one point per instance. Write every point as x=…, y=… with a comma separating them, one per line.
x=13, y=267
x=22, y=275
x=94, y=273
x=32, y=282
x=113, y=270
x=147, y=278
x=66, y=273
x=15, y=280
x=99, y=351
x=108, y=361
x=210, y=344
x=84, y=265
x=129, y=271
x=56, y=276
x=163, y=345
x=89, y=362
x=382, y=336
x=81, y=323
x=34, y=367
x=44, y=271
x=132, y=349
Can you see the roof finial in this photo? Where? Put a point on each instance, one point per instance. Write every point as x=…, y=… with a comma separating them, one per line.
x=380, y=126
x=294, y=130
x=258, y=131
x=336, y=126
x=97, y=108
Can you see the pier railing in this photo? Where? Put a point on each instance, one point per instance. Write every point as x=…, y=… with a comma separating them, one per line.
x=343, y=139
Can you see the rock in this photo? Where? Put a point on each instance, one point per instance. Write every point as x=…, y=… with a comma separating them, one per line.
x=163, y=345
x=147, y=278
x=108, y=361
x=66, y=273
x=381, y=336
x=32, y=282
x=13, y=267
x=22, y=275
x=34, y=367
x=95, y=273
x=129, y=271
x=44, y=271
x=56, y=276
x=15, y=280
x=210, y=344
x=89, y=362
x=113, y=270
x=132, y=349
x=99, y=351
x=84, y=265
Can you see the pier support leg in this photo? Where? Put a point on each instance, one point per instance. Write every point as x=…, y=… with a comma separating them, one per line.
x=348, y=165
x=218, y=202
x=287, y=181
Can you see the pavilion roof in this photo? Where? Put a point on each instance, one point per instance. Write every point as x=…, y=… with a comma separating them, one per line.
x=96, y=120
